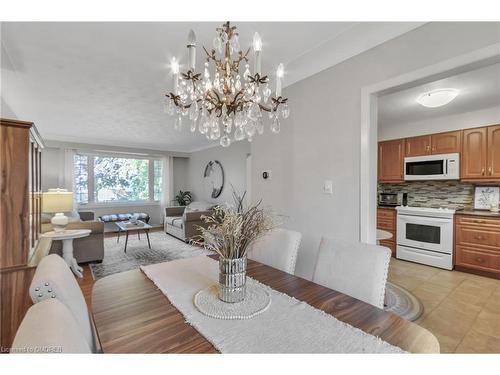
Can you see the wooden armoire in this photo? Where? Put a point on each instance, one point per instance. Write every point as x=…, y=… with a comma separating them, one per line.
x=20, y=220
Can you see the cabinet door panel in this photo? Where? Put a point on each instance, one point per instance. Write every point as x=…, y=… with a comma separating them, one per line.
x=494, y=152
x=474, y=155
x=446, y=143
x=418, y=146
x=390, y=161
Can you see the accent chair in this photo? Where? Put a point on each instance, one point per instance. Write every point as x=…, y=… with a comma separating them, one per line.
x=54, y=280
x=49, y=327
x=277, y=248
x=354, y=268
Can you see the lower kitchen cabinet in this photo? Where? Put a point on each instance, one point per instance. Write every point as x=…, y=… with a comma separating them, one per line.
x=386, y=220
x=477, y=245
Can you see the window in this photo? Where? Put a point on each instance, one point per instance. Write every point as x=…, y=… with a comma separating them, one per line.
x=116, y=179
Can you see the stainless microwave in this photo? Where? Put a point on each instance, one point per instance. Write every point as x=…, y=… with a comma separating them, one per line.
x=432, y=167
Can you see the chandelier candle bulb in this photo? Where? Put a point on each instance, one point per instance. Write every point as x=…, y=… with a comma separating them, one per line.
x=279, y=76
x=174, y=65
x=192, y=50
x=257, y=47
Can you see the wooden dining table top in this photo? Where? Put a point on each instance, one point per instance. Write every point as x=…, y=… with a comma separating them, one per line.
x=132, y=315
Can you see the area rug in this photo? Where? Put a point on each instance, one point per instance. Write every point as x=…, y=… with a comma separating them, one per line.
x=164, y=248
x=401, y=302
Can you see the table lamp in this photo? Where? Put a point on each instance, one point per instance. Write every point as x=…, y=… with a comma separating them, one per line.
x=58, y=201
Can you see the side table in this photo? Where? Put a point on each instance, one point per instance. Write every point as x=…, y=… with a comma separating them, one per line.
x=67, y=237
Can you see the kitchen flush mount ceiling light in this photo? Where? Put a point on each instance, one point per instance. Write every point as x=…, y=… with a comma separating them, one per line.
x=437, y=98
x=221, y=103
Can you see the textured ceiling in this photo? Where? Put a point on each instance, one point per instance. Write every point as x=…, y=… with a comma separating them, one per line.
x=103, y=83
x=478, y=89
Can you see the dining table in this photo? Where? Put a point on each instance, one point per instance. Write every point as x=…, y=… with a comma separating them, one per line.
x=131, y=315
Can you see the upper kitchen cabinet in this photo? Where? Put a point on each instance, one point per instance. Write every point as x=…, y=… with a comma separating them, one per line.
x=390, y=160
x=446, y=143
x=474, y=154
x=418, y=146
x=493, y=170
x=434, y=144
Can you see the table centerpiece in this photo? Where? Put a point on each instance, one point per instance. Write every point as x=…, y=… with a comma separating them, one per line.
x=230, y=232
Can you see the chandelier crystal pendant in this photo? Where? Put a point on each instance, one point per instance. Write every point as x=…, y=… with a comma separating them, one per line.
x=224, y=104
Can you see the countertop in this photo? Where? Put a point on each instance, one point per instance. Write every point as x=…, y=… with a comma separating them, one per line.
x=478, y=213
x=468, y=212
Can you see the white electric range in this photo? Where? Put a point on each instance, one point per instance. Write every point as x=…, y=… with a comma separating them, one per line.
x=425, y=235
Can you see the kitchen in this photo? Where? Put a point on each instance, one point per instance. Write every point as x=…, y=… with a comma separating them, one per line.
x=439, y=172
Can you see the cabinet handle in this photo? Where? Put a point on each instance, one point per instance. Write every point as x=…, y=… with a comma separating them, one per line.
x=479, y=221
x=479, y=237
x=489, y=171
x=482, y=172
x=480, y=260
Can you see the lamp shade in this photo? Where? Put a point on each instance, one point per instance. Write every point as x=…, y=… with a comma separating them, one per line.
x=57, y=200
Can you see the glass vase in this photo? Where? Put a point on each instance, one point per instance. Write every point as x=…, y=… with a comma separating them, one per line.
x=232, y=279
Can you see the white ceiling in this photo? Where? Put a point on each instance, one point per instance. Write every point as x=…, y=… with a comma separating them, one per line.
x=478, y=89
x=104, y=83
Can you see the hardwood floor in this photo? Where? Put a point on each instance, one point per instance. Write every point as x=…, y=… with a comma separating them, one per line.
x=86, y=284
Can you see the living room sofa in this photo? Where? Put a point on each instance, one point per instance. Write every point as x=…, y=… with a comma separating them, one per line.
x=182, y=222
x=85, y=249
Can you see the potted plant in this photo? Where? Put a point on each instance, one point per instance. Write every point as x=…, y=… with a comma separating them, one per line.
x=183, y=198
x=229, y=233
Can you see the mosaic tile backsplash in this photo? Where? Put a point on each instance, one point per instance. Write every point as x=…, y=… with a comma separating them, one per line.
x=447, y=194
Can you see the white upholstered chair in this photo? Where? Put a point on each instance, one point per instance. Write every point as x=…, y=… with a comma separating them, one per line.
x=49, y=327
x=54, y=279
x=277, y=248
x=353, y=268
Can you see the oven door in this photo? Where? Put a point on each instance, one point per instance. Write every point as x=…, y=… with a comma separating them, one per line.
x=428, y=233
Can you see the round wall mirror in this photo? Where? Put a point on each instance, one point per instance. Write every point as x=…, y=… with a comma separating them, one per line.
x=213, y=179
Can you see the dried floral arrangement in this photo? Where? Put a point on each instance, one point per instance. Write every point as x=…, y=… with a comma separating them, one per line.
x=230, y=231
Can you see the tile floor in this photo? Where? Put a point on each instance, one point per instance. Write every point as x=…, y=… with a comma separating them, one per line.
x=462, y=310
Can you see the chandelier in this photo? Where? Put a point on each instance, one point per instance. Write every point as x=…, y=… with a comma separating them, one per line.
x=227, y=105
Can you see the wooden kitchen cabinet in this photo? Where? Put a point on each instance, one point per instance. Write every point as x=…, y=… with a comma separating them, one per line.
x=390, y=160
x=493, y=169
x=434, y=144
x=477, y=245
x=481, y=154
x=474, y=154
x=418, y=146
x=446, y=143
x=386, y=220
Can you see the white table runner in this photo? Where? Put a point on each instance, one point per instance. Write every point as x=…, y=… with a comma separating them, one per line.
x=288, y=325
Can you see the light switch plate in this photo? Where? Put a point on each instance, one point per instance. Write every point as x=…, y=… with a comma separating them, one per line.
x=328, y=187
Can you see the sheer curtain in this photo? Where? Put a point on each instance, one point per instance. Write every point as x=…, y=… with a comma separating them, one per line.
x=167, y=180
x=68, y=169
x=67, y=174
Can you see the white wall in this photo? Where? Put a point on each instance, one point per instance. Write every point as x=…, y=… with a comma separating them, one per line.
x=180, y=175
x=51, y=168
x=483, y=117
x=6, y=111
x=321, y=139
x=233, y=160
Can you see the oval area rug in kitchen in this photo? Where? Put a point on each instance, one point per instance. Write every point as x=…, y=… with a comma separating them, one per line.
x=401, y=302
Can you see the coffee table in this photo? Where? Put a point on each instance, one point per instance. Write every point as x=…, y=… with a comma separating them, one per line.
x=67, y=237
x=130, y=228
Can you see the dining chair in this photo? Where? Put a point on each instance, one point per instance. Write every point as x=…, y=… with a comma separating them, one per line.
x=54, y=280
x=277, y=248
x=49, y=327
x=354, y=268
